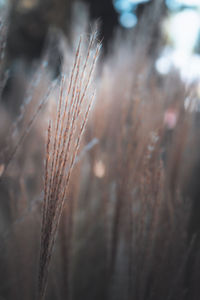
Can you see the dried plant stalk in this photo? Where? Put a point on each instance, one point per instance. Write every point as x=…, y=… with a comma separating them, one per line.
x=64, y=136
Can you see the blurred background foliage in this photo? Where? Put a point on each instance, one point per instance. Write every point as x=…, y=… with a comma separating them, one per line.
x=178, y=23
x=140, y=100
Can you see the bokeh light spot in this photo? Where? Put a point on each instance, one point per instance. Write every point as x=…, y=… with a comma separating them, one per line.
x=128, y=19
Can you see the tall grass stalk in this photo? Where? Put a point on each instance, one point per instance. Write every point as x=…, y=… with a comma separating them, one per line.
x=63, y=140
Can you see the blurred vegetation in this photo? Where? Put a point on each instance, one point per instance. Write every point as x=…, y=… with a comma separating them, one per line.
x=125, y=223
